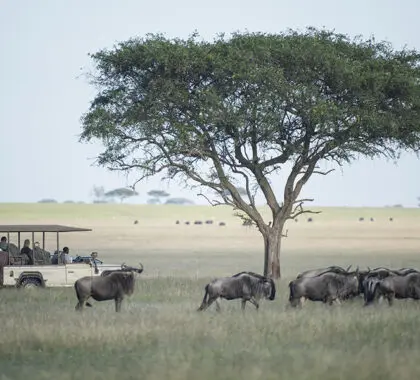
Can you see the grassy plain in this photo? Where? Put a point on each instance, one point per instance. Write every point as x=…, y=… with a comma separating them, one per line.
x=159, y=335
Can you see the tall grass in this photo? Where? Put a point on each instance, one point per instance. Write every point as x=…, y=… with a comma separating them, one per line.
x=159, y=335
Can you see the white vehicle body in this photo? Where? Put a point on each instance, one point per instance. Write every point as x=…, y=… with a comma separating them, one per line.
x=51, y=275
x=17, y=274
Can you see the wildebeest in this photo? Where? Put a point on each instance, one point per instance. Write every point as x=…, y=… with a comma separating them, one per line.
x=326, y=287
x=393, y=286
x=381, y=273
x=248, y=286
x=113, y=286
x=317, y=272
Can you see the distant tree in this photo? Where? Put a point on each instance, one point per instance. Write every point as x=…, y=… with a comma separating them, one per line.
x=157, y=195
x=98, y=193
x=233, y=112
x=47, y=200
x=69, y=201
x=121, y=193
x=179, y=201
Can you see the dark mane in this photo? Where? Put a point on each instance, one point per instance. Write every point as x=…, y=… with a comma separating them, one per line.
x=124, y=279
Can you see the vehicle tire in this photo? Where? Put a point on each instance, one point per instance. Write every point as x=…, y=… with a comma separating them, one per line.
x=30, y=283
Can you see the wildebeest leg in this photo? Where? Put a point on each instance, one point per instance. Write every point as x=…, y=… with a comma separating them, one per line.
x=207, y=304
x=329, y=300
x=118, y=302
x=82, y=303
x=255, y=303
x=390, y=298
x=218, y=306
x=79, y=306
x=243, y=303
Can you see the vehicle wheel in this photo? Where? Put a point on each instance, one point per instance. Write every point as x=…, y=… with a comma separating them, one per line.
x=30, y=283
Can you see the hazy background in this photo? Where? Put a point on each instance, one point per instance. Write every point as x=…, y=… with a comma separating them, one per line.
x=45, y=43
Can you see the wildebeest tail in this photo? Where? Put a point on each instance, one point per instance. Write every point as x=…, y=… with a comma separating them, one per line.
x=205, y=298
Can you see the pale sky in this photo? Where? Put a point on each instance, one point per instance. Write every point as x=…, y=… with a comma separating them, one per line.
x=45, y=43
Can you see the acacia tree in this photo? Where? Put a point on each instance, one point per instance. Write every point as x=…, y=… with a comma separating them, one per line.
x=232, y=112
x=121, y=193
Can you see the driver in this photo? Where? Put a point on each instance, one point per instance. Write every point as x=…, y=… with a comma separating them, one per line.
x=65, y=256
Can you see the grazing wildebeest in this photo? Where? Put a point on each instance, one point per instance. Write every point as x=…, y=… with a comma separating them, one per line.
x=248, y=286
x=394, y=286
x=317, y=272
x=113, y=286
x=326, y=287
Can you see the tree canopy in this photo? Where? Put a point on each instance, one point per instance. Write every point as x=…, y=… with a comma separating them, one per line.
x=228, y=114
x=121, y=193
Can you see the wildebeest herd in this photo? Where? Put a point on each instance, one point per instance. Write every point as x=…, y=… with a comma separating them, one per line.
x=327, y=285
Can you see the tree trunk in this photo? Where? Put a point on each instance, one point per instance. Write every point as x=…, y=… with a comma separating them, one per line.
x=272, y=246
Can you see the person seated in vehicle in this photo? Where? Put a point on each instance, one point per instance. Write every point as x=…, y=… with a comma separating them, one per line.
x=65, y=256
x=3, y=244
x=27, y=251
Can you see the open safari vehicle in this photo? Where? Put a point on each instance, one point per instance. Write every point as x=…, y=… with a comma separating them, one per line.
x=44, y=269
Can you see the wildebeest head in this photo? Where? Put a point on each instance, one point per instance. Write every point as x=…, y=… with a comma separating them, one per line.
x=269, y=289
x=126, y=268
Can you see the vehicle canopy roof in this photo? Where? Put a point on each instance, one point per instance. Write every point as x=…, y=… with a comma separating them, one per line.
x=7, y=228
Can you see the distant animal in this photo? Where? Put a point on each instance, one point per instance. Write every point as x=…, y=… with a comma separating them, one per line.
x=136, y=222
x=407, y=286
x=310, y=219
x=248, y=286
x=317, y=272
x=113, y=286
x=361, y=219
x=222, y=224
x=198, y=222
x=177, y=222
x=187, y=223
x=327, y=287
x=209, y=222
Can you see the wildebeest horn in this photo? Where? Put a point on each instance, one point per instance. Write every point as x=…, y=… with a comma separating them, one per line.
x=369, y=269
x=123, y=266
x=348, y=268
x=140, y=269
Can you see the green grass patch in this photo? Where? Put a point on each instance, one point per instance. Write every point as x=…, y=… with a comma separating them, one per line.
x=159, y=335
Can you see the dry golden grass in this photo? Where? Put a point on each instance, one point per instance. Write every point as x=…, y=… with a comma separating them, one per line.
x=159, y=335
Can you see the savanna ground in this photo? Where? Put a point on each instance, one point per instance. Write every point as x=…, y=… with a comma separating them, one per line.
x=159, y=334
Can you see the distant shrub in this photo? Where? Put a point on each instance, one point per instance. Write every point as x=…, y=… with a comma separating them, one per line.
x=47, y=200
x=179, y=201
